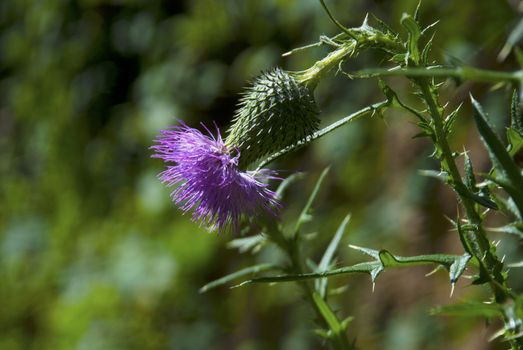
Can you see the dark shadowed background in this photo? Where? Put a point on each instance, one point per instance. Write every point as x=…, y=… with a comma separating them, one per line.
x=93, y=255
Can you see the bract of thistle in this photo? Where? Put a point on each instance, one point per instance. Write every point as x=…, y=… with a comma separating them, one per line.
x=277, y=111
x=209, y=181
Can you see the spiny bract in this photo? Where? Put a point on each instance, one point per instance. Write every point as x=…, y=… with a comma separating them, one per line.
x=275, y=112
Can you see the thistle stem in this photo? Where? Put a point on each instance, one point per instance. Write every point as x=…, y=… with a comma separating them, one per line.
x=320, y=133
x=477, y=241
x=314, y=74
x=462, y=73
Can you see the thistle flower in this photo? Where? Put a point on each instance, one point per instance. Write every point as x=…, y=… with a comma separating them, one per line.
x=209, y=181
x=275, y=112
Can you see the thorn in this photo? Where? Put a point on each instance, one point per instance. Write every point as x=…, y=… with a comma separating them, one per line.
x=452, y=289
x=239, y=285
x=366, y=21
x=373, y=286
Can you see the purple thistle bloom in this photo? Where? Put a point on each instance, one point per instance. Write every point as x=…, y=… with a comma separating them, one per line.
x=209, y=180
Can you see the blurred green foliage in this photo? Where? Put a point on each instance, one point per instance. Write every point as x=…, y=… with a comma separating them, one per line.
x=93, y=253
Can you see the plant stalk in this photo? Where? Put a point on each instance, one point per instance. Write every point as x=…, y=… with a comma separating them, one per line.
x=461, y=73
x=475, y=240
x=320, y=133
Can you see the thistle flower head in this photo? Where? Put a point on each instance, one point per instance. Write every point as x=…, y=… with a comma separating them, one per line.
x=209, y=181
x=275, y=112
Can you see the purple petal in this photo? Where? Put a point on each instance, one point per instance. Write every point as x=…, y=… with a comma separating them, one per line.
x=209, y=181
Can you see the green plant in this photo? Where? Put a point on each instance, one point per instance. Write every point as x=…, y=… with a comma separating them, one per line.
x=501, y=192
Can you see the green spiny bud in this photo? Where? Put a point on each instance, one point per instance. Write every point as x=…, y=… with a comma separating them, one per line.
x=275, y=112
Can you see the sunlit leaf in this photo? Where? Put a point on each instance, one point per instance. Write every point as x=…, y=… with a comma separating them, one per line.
x=321, y=285
x=304, y=216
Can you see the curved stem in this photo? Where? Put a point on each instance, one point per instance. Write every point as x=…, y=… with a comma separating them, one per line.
x=335, y=21
x=313, y=75
x=305, y=141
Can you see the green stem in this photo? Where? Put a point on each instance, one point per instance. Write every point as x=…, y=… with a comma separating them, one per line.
x=462, y=73
x=305, y=141
x=476, y=240
x=314, y=74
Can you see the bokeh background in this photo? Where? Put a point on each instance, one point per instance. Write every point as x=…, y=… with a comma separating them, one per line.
x=93, y=255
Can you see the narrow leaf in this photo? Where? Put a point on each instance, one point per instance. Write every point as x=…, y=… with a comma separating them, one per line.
x=515, y=35
x=331, y=320
x=325, y=262
x=515, y=228
x=499, y=155
x=331, y=249
x=469, y=309
x=326, y=312
x=241, y=273
x=440, y=175
x=366, y=267
x=516, y=117
x=470, y=179
x=479, y=197
x=304, y=216
x=288, y=181
x=426, y=50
